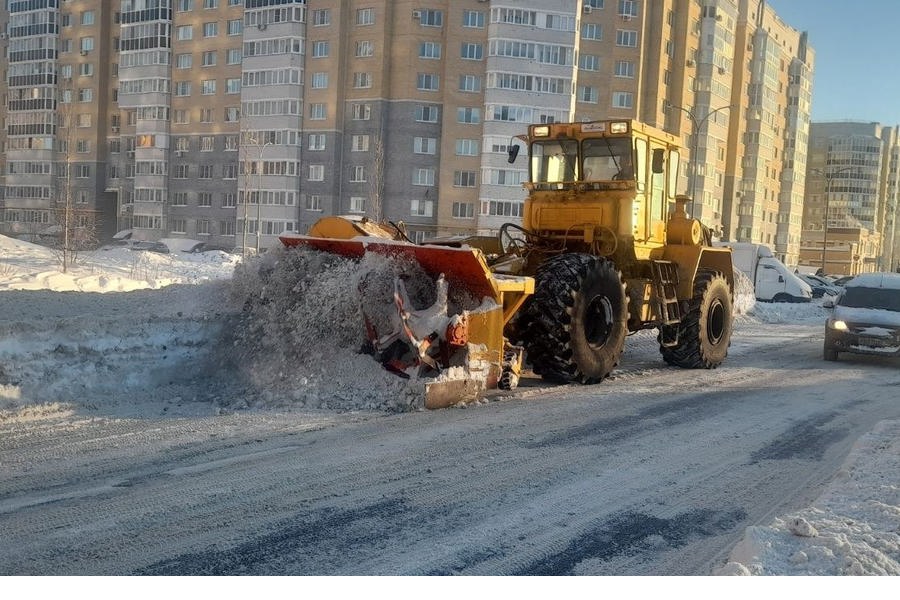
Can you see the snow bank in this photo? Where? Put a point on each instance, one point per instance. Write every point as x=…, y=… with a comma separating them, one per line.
x=850, y=530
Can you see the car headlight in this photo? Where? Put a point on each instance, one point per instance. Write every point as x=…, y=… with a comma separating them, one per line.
x=838, y=324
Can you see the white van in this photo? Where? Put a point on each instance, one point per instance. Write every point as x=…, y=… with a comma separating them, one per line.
x=772, y=280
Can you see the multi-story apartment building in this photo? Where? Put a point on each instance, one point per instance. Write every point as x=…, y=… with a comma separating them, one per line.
x=852, y=183
x=235, y=120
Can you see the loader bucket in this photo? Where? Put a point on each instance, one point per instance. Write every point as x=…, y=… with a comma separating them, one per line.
x=460, y=362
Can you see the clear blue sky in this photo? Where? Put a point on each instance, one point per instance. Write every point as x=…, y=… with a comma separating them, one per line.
x=857, y=46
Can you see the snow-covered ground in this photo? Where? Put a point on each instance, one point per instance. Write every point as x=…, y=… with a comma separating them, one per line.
x=68, y=346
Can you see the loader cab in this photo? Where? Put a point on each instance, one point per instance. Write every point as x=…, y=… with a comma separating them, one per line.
x=618, y=175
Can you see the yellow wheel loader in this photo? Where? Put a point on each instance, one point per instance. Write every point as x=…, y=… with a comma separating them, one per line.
x=605, y=249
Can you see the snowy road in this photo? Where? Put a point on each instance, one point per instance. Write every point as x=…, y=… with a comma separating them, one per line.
x=657, y=471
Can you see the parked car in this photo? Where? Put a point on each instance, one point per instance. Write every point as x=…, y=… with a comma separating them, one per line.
x=820, y=285
x=151, y=247
x=842, y=281
x=865, y=317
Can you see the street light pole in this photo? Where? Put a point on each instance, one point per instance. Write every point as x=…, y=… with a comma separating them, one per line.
x=696, y=126
x=829, y=177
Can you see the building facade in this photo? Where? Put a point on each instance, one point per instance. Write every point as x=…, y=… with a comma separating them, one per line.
x=233, y=121
x=852, y=183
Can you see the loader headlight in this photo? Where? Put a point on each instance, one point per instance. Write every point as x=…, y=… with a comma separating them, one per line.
x=541, y=131
x=618, y=127
x=838, y=324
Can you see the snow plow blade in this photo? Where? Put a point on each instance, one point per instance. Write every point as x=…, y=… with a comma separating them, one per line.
x=459, y=352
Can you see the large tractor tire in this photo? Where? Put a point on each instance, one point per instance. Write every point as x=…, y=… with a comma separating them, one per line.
x=575, y=324
x=705, y=331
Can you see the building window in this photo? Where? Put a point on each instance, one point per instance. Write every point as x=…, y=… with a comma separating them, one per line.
x=210, y=29
x=233, y=85
x=472, y=51
x=627, y=8
x=231, y=143
x=357, y=204
x=319, y=81
x=427, y=114
x=182, y=117
x=207, y=143
x=313, y=202
x=206, y=115
x=184, y=32
x=431, y=18
x=591, y=31
x=465, y=114
x=469, y=83
x=320, y=49
x=357, y=174
x=179, y=225
x=204, y=199
x=589, y=62
x=587, y=94
x=464, y=178
x=184, y=61
x=421, y=208
x=625, y=68
x=229, y=171
x=87, y=44
x=209, y=58
x=83, y=146
x=467, y=147
x=424, y=145
x=82, y=171
x=623, y=100
x=364, y=48
x=626, y=38
x=473, y=18
x=180, y=172
x=226, y=228
x=317, y=111
x=233, y=56
x=427, y=82
x=361, y=111
x=229, y=199
x=232, y=114
x=316, y=173
x=359, y=143
x=208, y=87
x=463, y=210
x=321, y=17
x=84, y=120
x=85, y=95
x=182, y=88
x=365, y=16
x=423, y=177
x=362, y=80
x=205, y=172
x=208, y=4
x=86, y=69
x=203, y=227
x=235, y=27
x=430, y=50
x=316, y=141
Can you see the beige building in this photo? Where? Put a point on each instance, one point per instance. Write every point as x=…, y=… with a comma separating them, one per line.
x=233, y=122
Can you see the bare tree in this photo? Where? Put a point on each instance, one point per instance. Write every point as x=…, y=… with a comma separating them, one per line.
x=75, y=227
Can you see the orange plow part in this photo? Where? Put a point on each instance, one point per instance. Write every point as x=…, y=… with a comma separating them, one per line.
x=476, y=336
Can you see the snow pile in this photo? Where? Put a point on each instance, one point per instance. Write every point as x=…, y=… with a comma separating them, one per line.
x=300, y=336
x=744, y=293
x=852, y=529
x=26, y=266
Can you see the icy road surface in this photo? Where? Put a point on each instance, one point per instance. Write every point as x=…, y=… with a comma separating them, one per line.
x=127, y=449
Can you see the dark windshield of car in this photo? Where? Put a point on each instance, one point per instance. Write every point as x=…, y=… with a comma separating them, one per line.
x=862, y=297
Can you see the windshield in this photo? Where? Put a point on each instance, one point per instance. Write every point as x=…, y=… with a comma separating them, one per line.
x=554, y=161
x=862, y=297
x=606, y=159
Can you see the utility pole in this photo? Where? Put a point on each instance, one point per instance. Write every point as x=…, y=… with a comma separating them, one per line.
x=829, y=176
x=696, y=126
